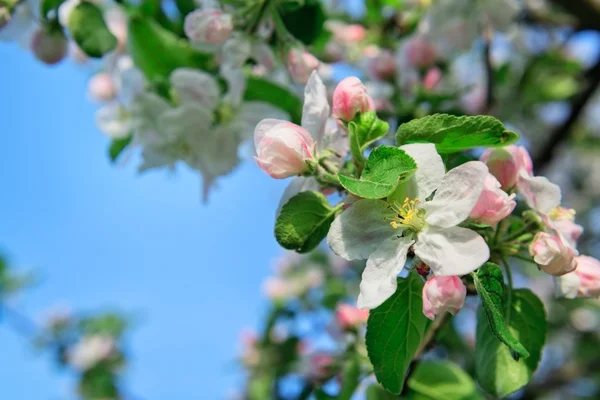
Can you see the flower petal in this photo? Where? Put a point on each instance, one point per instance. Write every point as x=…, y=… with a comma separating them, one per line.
x=430, y=168
x=567, y=285
x=457, y=195
x=264, y=126
x=451, y=251
x=540, y=194
x=316, y=107
x=379, y=277
x=195, y=87
x=359, y=230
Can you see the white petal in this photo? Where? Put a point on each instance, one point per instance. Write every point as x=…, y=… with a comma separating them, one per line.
x=236, y=82
x=379, y=277
x=430, y=168
x=457, y=195
x=297, y=185
x=360, y=229
x=194, y=86
x=540, y=194
x=254, y=112
x=567, y=285
x=316, y=108
x=451, y=251
x=264, y=126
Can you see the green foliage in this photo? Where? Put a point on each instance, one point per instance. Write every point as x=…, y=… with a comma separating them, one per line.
x=452, y=134
x=87, y=26
x=351, y=379
x=305, y=23
x=441, y=380
x=117, y=146
x=304, y=221
x=98, y=383
x=395, y=330
x=49, y=5
x=376, y=392
x=364, y=130
x=386, y=167
x=147, y=39
x=262, y=90
x=489, y=283
x=497, y=372
x=110, y=324
x=10, y=282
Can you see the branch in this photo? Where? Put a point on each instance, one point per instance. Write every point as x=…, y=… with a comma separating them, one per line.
x=562, y=132
x=489, y=70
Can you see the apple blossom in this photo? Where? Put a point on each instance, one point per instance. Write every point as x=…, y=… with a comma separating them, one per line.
x=443, y=294
x=384, y=232
x=493, y=204
x=208, y=26
x=583, y=282
x=382, y=65
x=350, y=98
x=48, y=46
x=505, y=163
x=563, y=220
x=350, y=317
x=101, y=87
x=91, y=350
x=553, y=254
x=419, y=52
x=432, y=78
x=301, y=64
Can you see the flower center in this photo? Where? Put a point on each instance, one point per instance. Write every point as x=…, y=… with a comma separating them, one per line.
x=562, y=214
x=408, y=215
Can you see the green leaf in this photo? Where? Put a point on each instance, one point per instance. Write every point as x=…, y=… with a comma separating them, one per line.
x=262, y=90
x=157, y=52
x=395, y=330
x=441, y=380
x=88, y=29
x=453, y=134
x=369, y=128
x=497, y=372
x=117, y=146
x=489, y=283
x=386, y=167
x=305, y=23
x=48, y=5
x=355, y=146
x=304, y=221
x=376, y=392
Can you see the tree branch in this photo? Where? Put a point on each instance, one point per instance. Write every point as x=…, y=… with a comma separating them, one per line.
x=561, y=133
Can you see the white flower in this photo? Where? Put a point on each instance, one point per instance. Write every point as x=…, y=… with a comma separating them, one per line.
x=90, y=351
x=383, y=231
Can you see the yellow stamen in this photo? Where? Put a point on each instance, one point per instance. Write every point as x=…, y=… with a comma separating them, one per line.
x=408, y=215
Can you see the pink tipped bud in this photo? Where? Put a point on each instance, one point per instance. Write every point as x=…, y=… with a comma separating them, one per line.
x=101, y=87
x=505, y=163
x=432, y=78
x=493, y=204
x=553, y=254
x=282, y=148
x=49, y=47
x=349, y=98
x=350, y=317
x=301, y=64
x=208, y=26
x=443, y=293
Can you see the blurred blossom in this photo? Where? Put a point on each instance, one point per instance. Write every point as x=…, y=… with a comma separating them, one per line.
x=102, y=88
x=278, y=289
x=419, y=52
x=382, y=65
x=50, y=47
x=432, y=78
x=585, y=320
x=77, y=54
x=208, y=25
x=583, y=282
x=116, y=21
x=346, y=33
x=318, y=366
x=301, y=64
x=114, y=120
x=91, y=350
x=350, y=317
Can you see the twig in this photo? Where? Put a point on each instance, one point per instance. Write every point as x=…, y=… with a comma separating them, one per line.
x=489, y=69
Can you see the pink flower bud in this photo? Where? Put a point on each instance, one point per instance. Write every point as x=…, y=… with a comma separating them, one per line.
x=432, y=78
x=506, y=162
x=493, y=204
x=319, y=366
x=350, y=317
x=49, y=47
x=282, y=148
x=588, y=272
x=441, y=294
x=349, y=98
x=420, y=52
x=101, y=87
x=301, y=64
x=209, y=26
x=553, y=254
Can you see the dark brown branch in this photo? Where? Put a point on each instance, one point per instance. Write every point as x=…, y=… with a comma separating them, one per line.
x=562, y=132
x=489, y=70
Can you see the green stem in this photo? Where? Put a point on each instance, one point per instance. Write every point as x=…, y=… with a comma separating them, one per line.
x=509, y=289
x=280, y=28
x=520, y=232
x=523, y=258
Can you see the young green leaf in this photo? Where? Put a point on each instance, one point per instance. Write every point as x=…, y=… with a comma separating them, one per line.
x=441, y=380
x=147, y=39
x=117, y=146
x=88, y=29
x=262, y=90
x=386, y=167
x=453, y=134
x=395, y=330
x=489, y=283
x=305, y=23
x=355, y=146
x=497, y=372
x=376, y=392
x=369, y=128
x=304, y=221
x=49, y=5
x=350, y=380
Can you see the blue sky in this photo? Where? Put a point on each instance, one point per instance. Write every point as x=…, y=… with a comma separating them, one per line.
x=102, y=236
